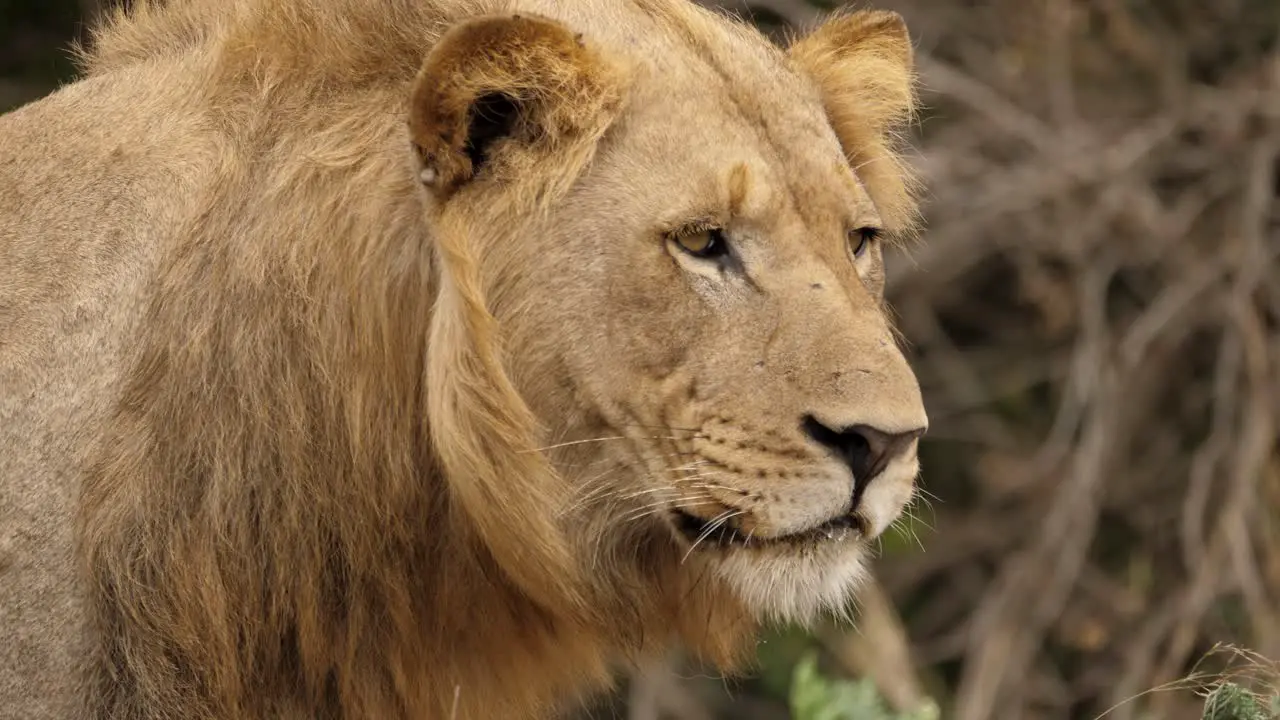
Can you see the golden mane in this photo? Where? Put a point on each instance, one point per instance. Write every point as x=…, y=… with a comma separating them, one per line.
x=282, y=489
x=347, y=41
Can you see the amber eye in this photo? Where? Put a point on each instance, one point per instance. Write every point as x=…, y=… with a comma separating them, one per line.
x=708, y=243
x=861, y=239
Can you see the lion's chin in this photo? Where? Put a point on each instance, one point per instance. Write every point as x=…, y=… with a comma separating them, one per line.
x=792, y=584
x=792, y=578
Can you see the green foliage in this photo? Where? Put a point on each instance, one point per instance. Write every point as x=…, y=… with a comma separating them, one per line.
x=815, y=697
x=777, y=654
x=1231, y=702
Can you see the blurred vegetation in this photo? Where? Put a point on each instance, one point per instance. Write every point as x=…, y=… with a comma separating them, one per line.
x=34, y=37
x=815, y=696
x=1231, y=702
x=1094, y=314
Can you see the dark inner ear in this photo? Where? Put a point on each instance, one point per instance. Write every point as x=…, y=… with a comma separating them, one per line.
x=493, y=116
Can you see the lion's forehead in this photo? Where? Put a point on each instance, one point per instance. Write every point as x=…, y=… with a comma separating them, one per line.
x=730, y=79
x=685, y=56
x=709, y=93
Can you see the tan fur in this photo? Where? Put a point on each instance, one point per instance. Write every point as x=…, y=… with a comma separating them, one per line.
x=862, y=62
x=355, y=415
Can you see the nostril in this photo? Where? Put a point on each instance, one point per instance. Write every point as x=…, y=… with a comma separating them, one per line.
x=859, y=454
x=865, y=449
x=857, y=442
x=822, y=434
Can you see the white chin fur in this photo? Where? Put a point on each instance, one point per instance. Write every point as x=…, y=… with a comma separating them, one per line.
x=794, y=586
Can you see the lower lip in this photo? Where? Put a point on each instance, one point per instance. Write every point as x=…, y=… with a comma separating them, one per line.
x=830, y=531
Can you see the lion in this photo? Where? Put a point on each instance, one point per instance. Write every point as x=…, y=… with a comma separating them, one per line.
x=441, y=358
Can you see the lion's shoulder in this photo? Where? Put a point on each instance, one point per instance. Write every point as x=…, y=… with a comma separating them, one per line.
x=75, y=257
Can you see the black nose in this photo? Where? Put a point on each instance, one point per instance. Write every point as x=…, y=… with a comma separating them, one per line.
x=866, y=450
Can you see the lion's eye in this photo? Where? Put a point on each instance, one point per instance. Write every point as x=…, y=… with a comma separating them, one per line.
x=861, y=238
x=707, y=243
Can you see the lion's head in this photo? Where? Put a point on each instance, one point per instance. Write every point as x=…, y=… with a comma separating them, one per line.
x=666, y=240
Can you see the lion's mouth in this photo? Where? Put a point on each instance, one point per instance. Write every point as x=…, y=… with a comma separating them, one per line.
x=702, y=532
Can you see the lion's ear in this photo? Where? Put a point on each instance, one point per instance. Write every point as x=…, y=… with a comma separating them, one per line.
x=863, y=63
x=502, y=93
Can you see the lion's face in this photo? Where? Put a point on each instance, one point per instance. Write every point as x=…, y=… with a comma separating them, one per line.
x=699, y=326
x=729, y=324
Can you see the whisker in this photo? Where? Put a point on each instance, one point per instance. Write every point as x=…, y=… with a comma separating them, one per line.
x=639, y=493
x=586, y=484
x=716, y=523
x=714, y=486
x=695, y=474
x=643, y=510
x=605, y=492
x=906, y=529
x=657, y=509
x=926, y=494
x=587, y=441
x=917, y=520
x=696, y=478
x=675, y=428
x=591, y=492
x=691, y=476
x=601, y=461
x=689, y=466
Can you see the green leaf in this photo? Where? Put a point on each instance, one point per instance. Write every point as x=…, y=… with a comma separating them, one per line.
x=815, y=697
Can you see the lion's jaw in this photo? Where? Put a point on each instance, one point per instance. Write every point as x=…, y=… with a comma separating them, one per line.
x=816, y=569
x=781, y=533
x=780, y=523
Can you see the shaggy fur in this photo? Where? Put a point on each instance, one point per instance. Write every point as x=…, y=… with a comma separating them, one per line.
x=350, y=366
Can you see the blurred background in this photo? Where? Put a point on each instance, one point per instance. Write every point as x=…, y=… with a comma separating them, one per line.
x=1094, y=313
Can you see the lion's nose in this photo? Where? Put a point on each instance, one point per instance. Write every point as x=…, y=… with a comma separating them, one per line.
x=865, y=449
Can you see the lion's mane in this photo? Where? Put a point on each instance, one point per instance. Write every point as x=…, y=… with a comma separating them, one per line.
x=266, y=475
